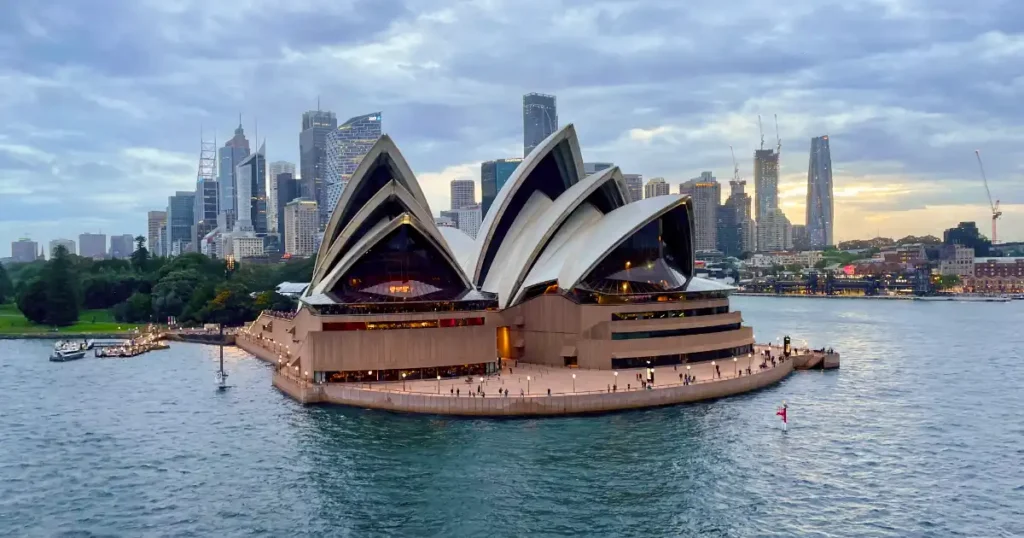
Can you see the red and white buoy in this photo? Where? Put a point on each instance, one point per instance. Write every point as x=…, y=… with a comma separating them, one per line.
x=782, y=413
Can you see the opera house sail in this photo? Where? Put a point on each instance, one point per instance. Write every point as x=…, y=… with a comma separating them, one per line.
x=563, y=272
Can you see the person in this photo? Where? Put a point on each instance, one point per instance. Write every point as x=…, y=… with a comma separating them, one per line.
x=452, y=391
x=457, y=392
x=680, y=377
x=521, y=393
x=549, y=392
x=718, y=371
x=629, y=386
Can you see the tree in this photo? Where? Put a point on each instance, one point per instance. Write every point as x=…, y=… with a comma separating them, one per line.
x=271, y=300
x=231, y=306
x=6, y=286
x=61, y=290
x=140, y=258
x=32, y=300
x=173, y=291
x=137, y=309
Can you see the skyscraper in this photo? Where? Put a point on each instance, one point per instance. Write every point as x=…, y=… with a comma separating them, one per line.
x=301, y=221
x=463, y=193
x=540, y=119
x=735, y=225
x=234, y=151
x=316, y=125
x=252, y=194
x=121, y=246
x=287, y=189
x=95, y=245
x=276, y=168
x=468, y=218
x=154, y=220
x=819, y=194
x=24, y=250
x=493, y=175
x=656, y=186
x=774, y=232
x=766, y=182
x=180, y=215
x=345, y=148
x=634, y=186
x=68, y=245
x=706, y=193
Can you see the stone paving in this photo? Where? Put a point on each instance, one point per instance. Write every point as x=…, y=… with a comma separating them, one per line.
x=535, y=380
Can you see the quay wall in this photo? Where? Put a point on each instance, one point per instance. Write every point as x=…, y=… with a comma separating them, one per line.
x=534, y=405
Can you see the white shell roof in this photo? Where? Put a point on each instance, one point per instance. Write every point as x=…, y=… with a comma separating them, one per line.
x=610, y=232
x=461, y=245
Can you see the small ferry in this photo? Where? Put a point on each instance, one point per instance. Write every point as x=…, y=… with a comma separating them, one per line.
x=966, y=298
x=65, y=355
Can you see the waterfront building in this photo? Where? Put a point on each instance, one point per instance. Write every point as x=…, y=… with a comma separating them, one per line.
x=122, y=246
x=251, y=200
x=774, y=232
x=706, y=193
x=820, y=215
x=463, y=193
x=562, y=273
x=286, y=189
x=276, y=168
x=468, y=219
x=997, y=275
x=493, y=175
x=68, y=244
x=180, y=215
x=593, y=168
x=956, y=260
x=24, y=250
x=316, y=126
x=540, y=119
x=234, y=152
x=95, y=245
x=766, y=184
x=345, y=147
x=634, y=186
x=302, y=220
x=657, y=186
x=154, y=221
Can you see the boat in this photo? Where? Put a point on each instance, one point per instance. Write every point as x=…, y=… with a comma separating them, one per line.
x=967, y=298
x=65, y=355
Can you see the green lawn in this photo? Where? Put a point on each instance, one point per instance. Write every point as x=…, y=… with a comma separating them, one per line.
x=89, y=321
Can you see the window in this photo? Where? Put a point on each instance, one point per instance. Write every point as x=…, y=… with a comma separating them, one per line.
x=689, y=331
x=681, y=358
x=669, y=314
x=393, y=325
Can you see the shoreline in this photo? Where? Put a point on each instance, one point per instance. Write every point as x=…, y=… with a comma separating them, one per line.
x=65, y=336
x=925, y=298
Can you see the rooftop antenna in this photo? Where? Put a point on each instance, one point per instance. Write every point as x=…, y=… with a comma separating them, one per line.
x=760, y=130
x=778, y=147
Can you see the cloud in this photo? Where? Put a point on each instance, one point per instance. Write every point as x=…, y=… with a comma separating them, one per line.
x=103, y=107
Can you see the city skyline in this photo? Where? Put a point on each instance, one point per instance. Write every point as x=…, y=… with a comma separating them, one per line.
x=101, y=138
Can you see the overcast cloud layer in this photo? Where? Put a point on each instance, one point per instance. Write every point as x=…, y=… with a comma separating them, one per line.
x=102, y=102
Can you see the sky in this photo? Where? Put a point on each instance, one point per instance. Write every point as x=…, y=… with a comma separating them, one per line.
x=102, y=103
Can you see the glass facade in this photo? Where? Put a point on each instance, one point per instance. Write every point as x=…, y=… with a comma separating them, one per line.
x=345, y=148
x=689, y=331
x=180, y=216
x=230, y=156
x=643, y=263
x=493, y=176
x=395, y=325
x=403, y=266
x=669, y=314
x=540, y=119
x=682, y=358
x=316, y=125
x=819, y=194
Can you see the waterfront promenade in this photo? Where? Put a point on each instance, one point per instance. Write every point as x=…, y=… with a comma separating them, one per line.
x=538, y=390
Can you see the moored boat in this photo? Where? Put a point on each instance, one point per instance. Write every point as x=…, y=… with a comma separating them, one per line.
x=65, y=355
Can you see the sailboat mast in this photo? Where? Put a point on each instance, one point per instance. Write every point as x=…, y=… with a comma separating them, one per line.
x=221, y=344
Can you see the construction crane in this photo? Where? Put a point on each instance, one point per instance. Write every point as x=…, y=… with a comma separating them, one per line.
x=996, y=213
x=778, y=146
x=735, y=166
x=760, y=130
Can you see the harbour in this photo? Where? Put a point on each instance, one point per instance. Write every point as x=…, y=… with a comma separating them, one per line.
x=894, y=420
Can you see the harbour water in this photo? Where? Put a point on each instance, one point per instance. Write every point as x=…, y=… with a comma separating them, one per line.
x=919, y=434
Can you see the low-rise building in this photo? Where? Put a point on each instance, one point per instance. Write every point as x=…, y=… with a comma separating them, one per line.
x=957, y=260
x=997, y=275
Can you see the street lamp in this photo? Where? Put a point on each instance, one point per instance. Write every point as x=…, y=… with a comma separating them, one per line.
x=439, y=384
x=403, y=381
x=712, y=369
x=734, y=367
x=616, y=384
x=527, y=384
x=574, y=383
x=750, y=358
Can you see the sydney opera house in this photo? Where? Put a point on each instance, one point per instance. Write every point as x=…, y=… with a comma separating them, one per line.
x=564, y=272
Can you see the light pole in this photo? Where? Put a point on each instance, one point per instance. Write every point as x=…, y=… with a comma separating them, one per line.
x=734, y=367
x=439, y=383
x=527, y=384
x=712, y=369
x=750, y=359
x=403, y=381
x=616, y=384
x=574, y=383
x=687, y=371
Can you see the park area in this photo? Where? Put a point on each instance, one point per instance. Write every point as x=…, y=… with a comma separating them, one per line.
x=13, y=322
